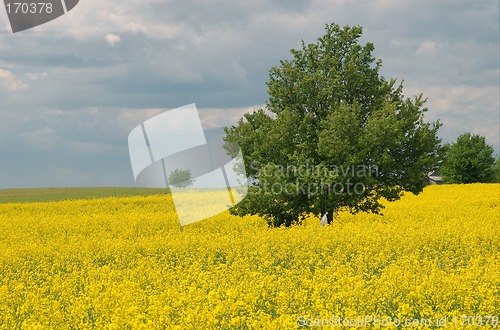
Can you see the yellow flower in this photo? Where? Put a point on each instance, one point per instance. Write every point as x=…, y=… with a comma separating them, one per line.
x=118, y=263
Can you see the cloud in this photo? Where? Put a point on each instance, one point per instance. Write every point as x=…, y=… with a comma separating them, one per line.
x=112, y=39
x=213, y=117
x=10, y=82
x=44, y=138
x=36, y=76
x=463, y=108
x=428, y=48
x=127, y=119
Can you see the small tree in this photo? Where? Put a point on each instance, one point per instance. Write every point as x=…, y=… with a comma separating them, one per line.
x=468, y=160
x=339, y=135
x=496, y=170
x=181, y=178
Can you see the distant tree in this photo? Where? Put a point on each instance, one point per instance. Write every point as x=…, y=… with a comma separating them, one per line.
x=338, y=135
x=496, y=170
x=468, y=160
x=181, y=178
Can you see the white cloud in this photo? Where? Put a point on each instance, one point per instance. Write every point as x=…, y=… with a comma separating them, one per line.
x=112, y=39
x=463, y=108
x=127, y=119
x=36, y=76
x=212, y=118
x=428, y=48
x=10, y=82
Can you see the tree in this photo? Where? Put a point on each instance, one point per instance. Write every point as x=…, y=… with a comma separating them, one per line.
x=496, y=170
x=468, y=160
x=336, y=135
x=180, y=178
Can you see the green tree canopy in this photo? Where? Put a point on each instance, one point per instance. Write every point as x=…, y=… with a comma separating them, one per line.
x=496, y=170
x=468, y=160
x=180, y=178
x=335, y=135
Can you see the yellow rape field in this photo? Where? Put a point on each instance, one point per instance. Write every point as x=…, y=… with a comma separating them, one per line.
x=125, y=263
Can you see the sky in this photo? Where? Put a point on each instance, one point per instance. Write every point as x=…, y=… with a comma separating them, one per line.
x=72, y=90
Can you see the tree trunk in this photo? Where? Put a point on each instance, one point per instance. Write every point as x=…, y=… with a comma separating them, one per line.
x=329, y=217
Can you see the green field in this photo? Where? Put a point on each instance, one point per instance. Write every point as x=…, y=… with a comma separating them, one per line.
x=59, y=194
